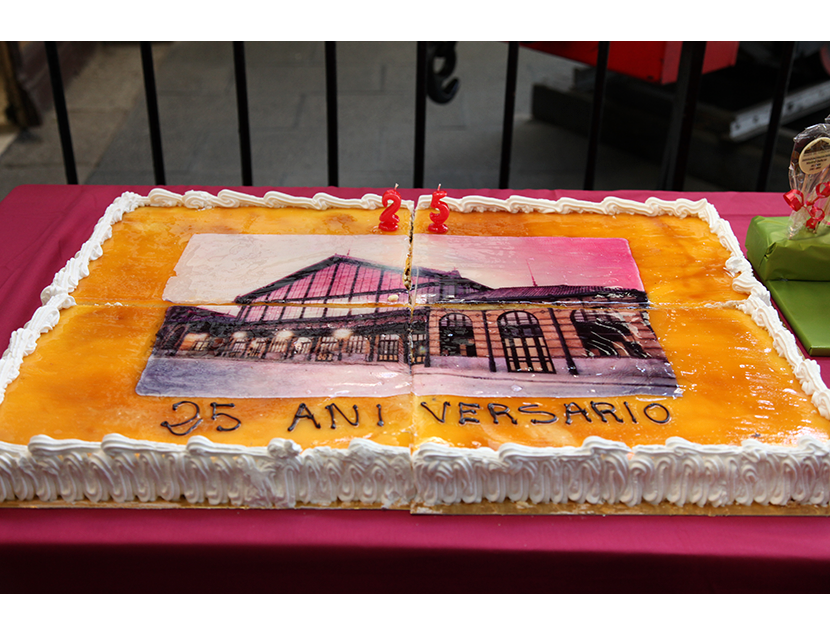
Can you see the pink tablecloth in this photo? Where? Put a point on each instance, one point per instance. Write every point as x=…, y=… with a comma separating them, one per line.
x=337, y=550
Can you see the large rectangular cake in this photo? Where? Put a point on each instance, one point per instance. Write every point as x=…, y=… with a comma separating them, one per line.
x=278, y=351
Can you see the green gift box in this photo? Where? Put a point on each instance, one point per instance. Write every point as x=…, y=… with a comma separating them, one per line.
x=797, y=274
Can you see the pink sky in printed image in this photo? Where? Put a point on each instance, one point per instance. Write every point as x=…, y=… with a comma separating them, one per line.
x=503, y=261
x=215, y=268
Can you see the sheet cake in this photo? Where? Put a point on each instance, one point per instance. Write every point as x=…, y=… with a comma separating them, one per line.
x=278, y=351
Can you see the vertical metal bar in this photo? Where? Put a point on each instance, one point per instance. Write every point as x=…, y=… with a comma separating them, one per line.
x=675, y=158
x=509, y=111
x=420, y=114
x=61, y=112
x=152, y=111
x=331, y=111
x=782, y=83
x=242, y=113
x=596, y=114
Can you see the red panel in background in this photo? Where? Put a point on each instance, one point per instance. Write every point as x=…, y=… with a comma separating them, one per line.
x=655, y=62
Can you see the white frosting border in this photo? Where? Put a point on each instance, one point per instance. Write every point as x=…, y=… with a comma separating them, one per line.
x=282, y=474
x=193, y=199
x=203, y=472
x=737, y=266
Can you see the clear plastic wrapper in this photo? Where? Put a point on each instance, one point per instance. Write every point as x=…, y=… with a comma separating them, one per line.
x=809, y=174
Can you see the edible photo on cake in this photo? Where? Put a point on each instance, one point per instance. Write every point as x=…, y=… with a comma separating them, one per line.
x=303, y=316
x=298, y=269
x=501, y=269
x=535, y=317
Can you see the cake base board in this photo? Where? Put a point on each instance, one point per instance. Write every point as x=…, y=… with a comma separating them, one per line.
x=473, y=509
x=616, y=509
x=183, y=504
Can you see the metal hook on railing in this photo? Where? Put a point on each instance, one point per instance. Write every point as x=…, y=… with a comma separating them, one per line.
x=438, y=89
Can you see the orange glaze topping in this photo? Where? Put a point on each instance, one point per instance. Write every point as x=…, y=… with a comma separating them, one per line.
x=80, y=383
x=734, y=387
x=679, y=259
x=147, y=244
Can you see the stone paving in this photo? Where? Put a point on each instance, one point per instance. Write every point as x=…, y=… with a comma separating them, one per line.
x=376, y=114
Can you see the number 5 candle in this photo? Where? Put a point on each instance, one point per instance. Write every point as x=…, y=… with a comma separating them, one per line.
x=439, y=218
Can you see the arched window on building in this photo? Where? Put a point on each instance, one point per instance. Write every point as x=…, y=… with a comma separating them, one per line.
x=389, y=348
x=300, y=348
x=282, y=344
x=327, y=348
x=239, y=344
x=356, y=345
x=419, y=344
x=525, y=349
x=455, y=335
x=257, y=347
x=606, y=334
x=172, y=340
x=200, y=344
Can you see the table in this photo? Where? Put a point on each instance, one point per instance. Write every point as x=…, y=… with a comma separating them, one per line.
x=194, y=550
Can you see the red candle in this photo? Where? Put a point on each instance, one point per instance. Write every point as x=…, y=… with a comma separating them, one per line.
x=388, y=218
x=439, y=218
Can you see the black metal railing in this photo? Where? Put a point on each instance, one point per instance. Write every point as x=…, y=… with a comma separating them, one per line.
x=153, y=118
x=509, y=113
x=603, y=51
x=242, y=113
x=676, y=150
x=420, y=114
x=61, y=112
x=782, y=84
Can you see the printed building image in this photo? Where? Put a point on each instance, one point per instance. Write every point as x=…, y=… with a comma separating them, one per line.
x=542, y=350
x=569, y=340
x=335, y=280
x=307, y=329
x=287, y=333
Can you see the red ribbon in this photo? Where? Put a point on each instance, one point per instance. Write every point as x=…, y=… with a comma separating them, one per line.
x=816, y=216
x=795, y=199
